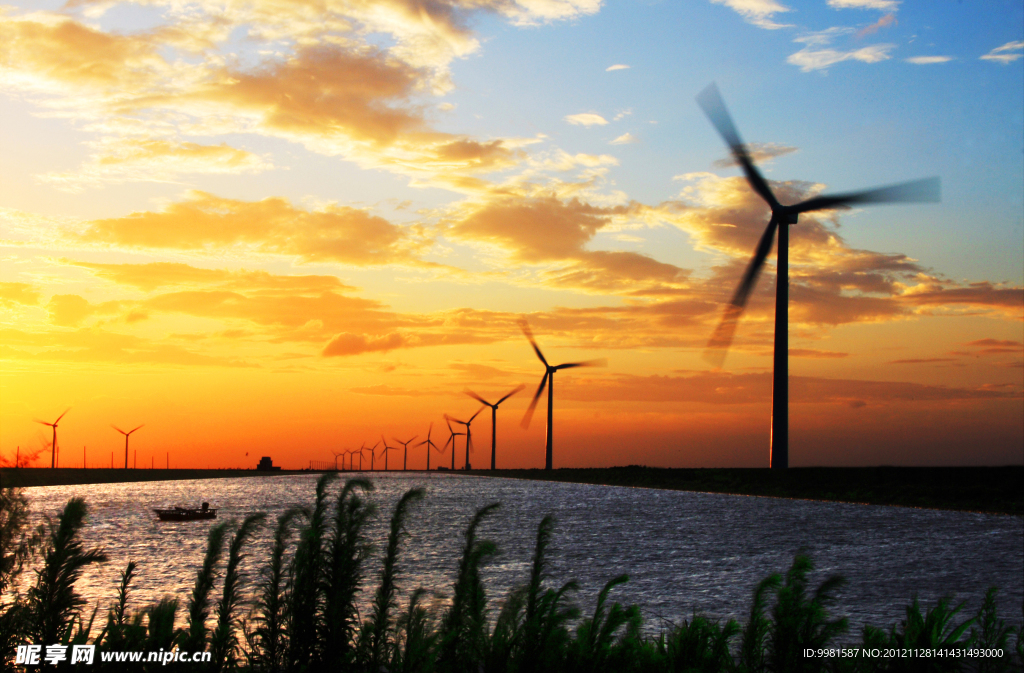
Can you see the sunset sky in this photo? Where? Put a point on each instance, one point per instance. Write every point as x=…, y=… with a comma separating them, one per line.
x=285, y=227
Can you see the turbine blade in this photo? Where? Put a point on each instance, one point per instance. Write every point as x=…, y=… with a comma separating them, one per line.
x=600, y=362
x=711, y=102
x=533, y=404
x=721, y=338
x=115, y=427
x=523, y=325
x=517, y=389
x=476, y=414
x=477, y=398
x=927, y=190
x=764, y=248
x=43, y=422
x=136, y=429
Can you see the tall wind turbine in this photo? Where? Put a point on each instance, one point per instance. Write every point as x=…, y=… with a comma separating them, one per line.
x=373, y=455
x=494, y=419
x=549, y=380
x=469, y=435
x=53, y=448
x=405, y=445
x=336, y=454
x=429, y=444
x=126, y=436
x=918, y=191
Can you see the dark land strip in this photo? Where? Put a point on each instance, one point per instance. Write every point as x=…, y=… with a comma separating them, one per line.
x=994, y=490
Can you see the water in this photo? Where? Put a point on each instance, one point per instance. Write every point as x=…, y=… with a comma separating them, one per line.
x=684, y=552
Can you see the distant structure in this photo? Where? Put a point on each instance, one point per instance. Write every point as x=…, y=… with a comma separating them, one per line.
x=267, y=465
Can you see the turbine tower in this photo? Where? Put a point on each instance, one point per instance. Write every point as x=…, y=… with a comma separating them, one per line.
x=53, y=447
x=429, y=444
x=451, y=439
x=126, y=436
x=494, y=420
x=549, y=380
x=405, y=445
x=918, y=191
x=385, y=451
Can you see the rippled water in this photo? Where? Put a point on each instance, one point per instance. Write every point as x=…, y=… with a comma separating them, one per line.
x=683, y=551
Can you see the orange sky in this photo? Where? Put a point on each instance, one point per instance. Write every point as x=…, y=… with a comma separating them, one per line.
x=259, y=229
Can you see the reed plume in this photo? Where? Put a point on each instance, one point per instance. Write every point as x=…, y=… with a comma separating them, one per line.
x=267, y=641
x=224, y=641
x=199, y=601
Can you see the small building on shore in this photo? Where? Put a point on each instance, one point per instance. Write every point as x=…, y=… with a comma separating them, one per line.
x=267, y=465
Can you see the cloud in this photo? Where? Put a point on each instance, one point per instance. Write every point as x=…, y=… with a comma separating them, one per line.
x=12, y=294
x=586, y=119
x=617, y=66
x=120, y=160
x=815, y=54
x=272, y=226
x=355, y=344
x=884, y=22
x=928, y=60
x=815, y=354
x=759, y=153
x=624, y=139
x=921, y=361
x=883, y=5
x=757, y=12
x=997, y=346
x=1005, y=54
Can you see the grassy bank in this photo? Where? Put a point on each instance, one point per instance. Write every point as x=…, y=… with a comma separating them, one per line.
x=979, y=489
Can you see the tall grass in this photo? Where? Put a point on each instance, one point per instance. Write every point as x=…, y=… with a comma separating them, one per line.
x=301, y=612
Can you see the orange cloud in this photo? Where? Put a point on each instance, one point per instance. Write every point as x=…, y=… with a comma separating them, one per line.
x=12, y=294
x=273, y=225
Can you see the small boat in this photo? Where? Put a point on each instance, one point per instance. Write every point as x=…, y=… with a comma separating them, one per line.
x=186, y=513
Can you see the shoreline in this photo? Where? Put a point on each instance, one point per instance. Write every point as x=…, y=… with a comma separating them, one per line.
x=989, y=490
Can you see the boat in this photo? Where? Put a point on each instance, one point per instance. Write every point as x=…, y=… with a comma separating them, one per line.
x=186, y=513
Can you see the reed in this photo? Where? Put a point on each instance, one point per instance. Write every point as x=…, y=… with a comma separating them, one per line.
x=53, y=603
x=463, y=636
x=194, y=637
x=800, y=621
x=224, y=641
x=305, y=608
x=348, y=552
x=267, y=639
x=377, y=638
x=595, y=642
x=544, y=635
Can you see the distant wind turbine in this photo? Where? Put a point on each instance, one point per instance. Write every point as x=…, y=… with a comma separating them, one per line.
x=494, y=420
x=549, y=380
x=373, y=456
x=385, y=451
x=53, y=451
x=405, y=445
x=336, y=454
x=126, y=435
x=451, y=439
x=918, y=191
x=469, y=433
x=429, y=444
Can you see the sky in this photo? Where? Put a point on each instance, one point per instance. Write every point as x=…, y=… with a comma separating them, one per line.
x=288, y=228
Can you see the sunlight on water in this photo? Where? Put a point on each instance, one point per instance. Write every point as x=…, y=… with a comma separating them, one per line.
x=684, y=552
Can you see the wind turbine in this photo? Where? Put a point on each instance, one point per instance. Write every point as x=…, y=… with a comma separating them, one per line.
x=405, y=445
x=126, y=435
x=451, y=439
x=53, y=448
x=373, y=455
x=494, y=419
x=336, y=454
x=549, y=380
x=429, y=445
x=917, y=191
x=469, y=435
x=385, y=451
x=362, y=449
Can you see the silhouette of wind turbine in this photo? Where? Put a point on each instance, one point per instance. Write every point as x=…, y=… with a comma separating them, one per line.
x=385, y=451
x=918, y=191
x=549, y=380
x=469, y=435
x=494, y=419
x=53, y=448
x=429, y=444
x=336, y=454
x=126, y=435
x=405, y=445
x=451, y=439
x=373, y=456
